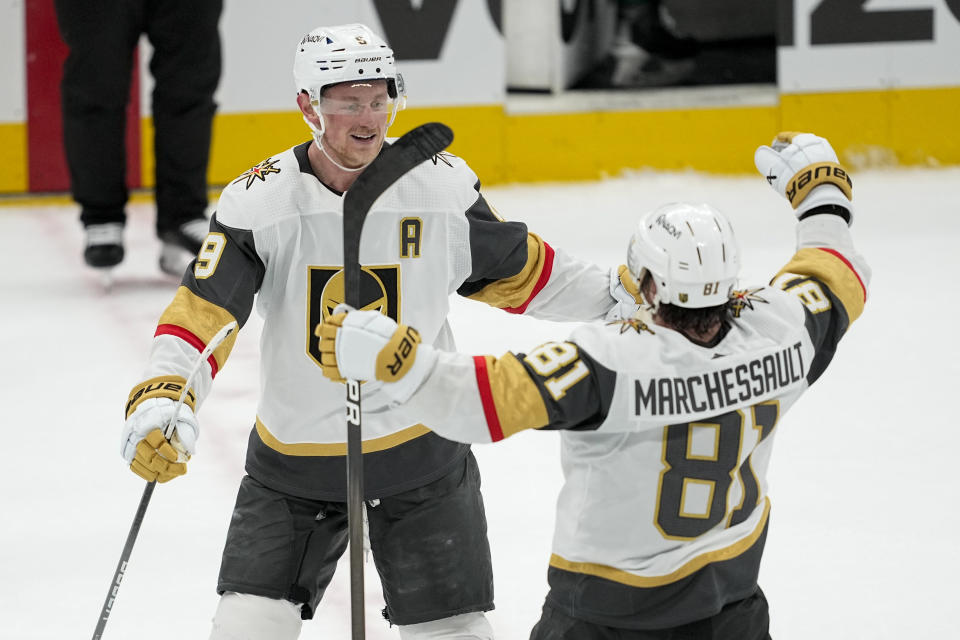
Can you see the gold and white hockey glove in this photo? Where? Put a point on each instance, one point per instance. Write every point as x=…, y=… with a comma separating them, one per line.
x=367, y=345
x=626, y=291
x=142, y=443
x=803, y=168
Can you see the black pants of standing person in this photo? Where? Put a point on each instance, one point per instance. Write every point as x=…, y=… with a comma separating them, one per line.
x=102, y=36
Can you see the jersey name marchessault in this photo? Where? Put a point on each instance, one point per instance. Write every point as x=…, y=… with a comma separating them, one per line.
x=715, y=390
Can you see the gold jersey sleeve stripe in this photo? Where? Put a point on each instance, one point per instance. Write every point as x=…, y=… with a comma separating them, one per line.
x=516, y=400
x=189, y=314
x=159, y=387
x=338, y=448
x=514, y=293
x=694, y=565
x=831, y=268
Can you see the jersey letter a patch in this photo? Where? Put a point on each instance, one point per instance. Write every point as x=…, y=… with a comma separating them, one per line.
x=411, y=235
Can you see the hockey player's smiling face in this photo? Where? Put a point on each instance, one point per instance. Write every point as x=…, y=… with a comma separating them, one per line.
x=355, y=117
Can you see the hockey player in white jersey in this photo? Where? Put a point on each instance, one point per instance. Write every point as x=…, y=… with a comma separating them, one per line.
x=667, y=419
x=277, y=235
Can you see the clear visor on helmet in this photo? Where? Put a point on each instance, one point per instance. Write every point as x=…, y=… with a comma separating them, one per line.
x=381, y=105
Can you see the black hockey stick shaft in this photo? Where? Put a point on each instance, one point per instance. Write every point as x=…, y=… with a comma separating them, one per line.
x=124, y=558
x=413, y=148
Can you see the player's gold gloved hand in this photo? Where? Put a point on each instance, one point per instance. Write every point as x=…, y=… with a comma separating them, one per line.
x=629, y=284
x=626, y=291
x=803, y=168
x=327, y=332
x=150, y=409
x=159, y=459
x=367, y=345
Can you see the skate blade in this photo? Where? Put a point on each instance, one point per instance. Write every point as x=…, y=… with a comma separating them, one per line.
x=106, y=278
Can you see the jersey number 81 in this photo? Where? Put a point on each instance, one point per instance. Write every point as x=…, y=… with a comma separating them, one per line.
x=700, y=466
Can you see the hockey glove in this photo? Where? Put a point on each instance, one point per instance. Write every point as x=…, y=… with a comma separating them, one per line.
x=367, y=345
x=626, y=291
x=142, y=443
x=803, y=168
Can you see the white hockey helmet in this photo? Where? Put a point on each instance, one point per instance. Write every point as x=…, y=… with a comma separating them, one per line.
x=691, y=252
x=345, y=53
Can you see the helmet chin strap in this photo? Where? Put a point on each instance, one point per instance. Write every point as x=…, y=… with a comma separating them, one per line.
x=318, y=134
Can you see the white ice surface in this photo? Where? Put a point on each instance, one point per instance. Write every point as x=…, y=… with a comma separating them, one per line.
x=864, y=480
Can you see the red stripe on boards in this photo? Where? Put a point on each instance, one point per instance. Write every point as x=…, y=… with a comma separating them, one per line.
x=46, y=53
x=486, y=398
x=189, y=338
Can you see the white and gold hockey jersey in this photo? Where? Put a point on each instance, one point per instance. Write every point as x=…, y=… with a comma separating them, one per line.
x=277, y=238
x=665, y=444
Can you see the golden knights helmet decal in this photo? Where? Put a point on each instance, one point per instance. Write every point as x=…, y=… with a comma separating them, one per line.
x=379, y=291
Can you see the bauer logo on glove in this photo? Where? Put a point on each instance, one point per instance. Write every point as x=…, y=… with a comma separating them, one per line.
x=815, y=175
x=160, y=387
x=382, y=350
x=803, y=168
x=367, y=345
x=397, y=357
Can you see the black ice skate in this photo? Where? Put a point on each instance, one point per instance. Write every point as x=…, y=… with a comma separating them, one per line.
x=181, y=245
x=103, y=245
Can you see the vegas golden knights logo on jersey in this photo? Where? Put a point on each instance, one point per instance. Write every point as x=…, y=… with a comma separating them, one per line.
x=258, y=172
x=379, y=291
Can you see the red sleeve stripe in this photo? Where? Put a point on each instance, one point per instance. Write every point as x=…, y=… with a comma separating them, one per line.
x=189, y=338
x=849, y=266
x=541, y=282
x=486, y=398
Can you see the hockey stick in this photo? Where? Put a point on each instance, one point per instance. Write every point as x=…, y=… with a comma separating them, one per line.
x=394, y=161
x=168, y=433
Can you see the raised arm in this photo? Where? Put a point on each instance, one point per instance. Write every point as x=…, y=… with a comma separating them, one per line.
x=826, y=274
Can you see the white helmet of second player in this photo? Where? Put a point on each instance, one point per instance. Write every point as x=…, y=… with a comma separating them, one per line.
x=691, y=252
x=345, y=53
